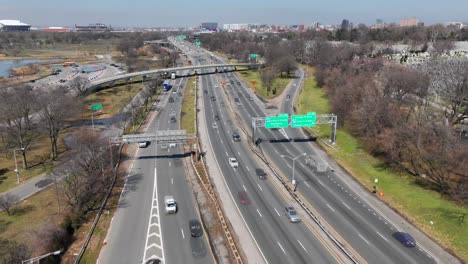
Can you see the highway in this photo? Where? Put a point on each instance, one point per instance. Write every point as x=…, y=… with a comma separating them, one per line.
x=140, y=229
x=364, y=228
x=279, y=240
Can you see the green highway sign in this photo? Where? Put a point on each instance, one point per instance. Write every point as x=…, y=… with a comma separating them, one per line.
x=308, y=120
x=253, y=56
x=182, y=37
x=198, y=43
x=280, y=121
x=96, y=107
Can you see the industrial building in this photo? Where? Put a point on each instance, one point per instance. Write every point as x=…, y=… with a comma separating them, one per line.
x=56, y=29
x=211, y=26
x=13, y=25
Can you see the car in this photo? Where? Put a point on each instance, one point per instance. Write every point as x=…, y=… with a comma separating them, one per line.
x=292, y=214
x=243, y=198
x=238, y=83
x=62, y=80
x=233, y=163
x=205, y=91
x=260, y=173
x=171, y=100
x=143, y=144
x=195, y=228
x=215, y=125
x=251, y=98
x=173, y=119
x=216, y=117
x=213, y=98
x=179, y=94
x=288, y=97
x=406, y=239
x=236, y=136
x=170, y=204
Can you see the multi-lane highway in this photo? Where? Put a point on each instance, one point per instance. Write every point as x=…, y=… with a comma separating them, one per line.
x=361, y=226
x=279, y=240
x=140, y=229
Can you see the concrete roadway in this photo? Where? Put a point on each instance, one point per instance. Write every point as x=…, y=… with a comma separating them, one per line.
x=364, y=228
x=140, y=229
x=279, y=240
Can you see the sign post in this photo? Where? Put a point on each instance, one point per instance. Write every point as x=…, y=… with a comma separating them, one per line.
x=95, y=107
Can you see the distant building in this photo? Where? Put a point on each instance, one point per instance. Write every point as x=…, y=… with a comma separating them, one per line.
x=56, y=29
x=345, y=24
x=457, y=25
x=13, y=25
x=411, y=22
x=93, y=28
x=211, y=26
x=236, y=27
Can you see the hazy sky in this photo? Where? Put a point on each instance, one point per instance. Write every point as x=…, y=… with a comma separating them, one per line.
x=193, y=12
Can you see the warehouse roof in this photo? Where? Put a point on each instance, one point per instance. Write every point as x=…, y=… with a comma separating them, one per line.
x=12, y=23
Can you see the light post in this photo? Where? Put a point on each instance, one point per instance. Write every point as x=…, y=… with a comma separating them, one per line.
x=32, y=260
x=293, y=181
x=16, y=164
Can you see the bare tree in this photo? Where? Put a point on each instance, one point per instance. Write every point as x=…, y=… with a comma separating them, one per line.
x=267, y=76
x=13, y=252
x=78, y=85
x=7, y=201
x=440, y=47
x=286, y=64
x=18, y=106
x=399, y=81
x=55, y=108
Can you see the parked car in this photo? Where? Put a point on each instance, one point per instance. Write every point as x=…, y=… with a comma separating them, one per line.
x=143, y=144
x=406, y=239
x=291, y=213
x=233, y=163
x=243, y=198
x=195, y=228
x=260, y=173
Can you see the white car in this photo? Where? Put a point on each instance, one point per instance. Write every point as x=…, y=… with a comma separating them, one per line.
x=143, y=144
x=233, y=163
x=170, y=204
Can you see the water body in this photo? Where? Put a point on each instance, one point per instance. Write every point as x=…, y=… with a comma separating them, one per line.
x=7, y=65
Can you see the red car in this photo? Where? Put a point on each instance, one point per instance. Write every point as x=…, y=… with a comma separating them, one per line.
x=243, y=198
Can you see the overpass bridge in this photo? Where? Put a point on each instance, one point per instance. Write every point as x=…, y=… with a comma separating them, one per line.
x=91, y=86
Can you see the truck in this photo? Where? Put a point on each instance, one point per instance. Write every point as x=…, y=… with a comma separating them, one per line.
x=170, y=204
x=173, y=76
x=166, y=86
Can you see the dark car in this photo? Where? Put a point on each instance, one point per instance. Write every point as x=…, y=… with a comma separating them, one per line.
x=288, y=97
x=205, y=91
x=173, y=119
x=260, y=173
x=243, y=198
x=62, y=80
x=195, y=228
x=171, y=100
x=238, y=83
x=406, y=239
x=213, y=98
x=216, y=117
x=179, y=94
x=236, y=136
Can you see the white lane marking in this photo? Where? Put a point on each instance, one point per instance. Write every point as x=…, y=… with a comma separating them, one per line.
x=247, y=167
x=307, y=184
x=227, y=154
x=259, y=187
x=222, y=141
x=288, y=165
x=172, y=180
x=169, y=164
x=243, y=186
x=238, y=153
x=302, y=245
x=320, y=182
x=281, y=247
x=381, y=236
x=182, y=230
x=331, y=208
x=277, y=212
x=346, y=205
x=363, y=239
x=259, y=213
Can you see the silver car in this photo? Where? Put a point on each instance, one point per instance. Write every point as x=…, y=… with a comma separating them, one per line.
x=292, y=214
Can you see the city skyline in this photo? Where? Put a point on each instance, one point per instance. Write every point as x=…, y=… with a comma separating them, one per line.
x=186, y=13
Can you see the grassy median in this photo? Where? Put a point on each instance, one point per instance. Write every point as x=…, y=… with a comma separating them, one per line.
x=188, y=107
x=441, y=219
x=279, y=83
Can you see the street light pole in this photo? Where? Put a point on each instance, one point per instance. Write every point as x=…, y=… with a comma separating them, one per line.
x=32, y=260
x=293, y=181
x=16, y=164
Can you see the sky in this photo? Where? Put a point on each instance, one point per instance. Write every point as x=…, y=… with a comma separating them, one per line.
x=186, y=13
